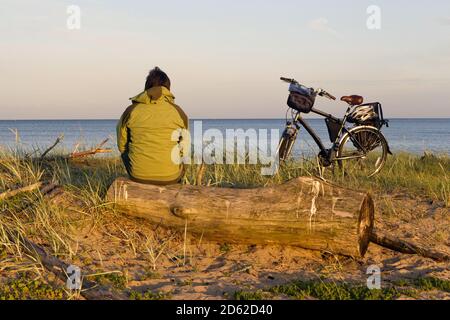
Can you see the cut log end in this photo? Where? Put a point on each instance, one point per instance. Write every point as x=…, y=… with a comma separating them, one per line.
x=365, y=224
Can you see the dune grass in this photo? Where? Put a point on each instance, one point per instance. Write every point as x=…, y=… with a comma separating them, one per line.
x=86, y=182
x=425, y=176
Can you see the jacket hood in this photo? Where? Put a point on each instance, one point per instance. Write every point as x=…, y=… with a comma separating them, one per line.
x=152, y=95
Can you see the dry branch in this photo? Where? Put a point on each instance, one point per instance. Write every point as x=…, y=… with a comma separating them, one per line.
x=89, y=153
x=48, y=188
x=75, y=153
x=12, y=193
x=96, y=150
x=407, y=247
x=58, y=140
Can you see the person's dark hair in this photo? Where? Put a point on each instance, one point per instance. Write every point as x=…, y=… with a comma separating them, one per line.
x=157, y=78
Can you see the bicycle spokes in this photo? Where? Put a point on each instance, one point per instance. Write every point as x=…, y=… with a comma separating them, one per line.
x=362, y=151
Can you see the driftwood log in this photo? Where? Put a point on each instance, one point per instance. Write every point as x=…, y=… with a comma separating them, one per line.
x=305, y=212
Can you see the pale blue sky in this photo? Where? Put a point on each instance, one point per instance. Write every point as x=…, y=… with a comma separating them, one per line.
x=224, y=57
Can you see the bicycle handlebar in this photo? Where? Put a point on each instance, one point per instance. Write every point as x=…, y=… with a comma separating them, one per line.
x=320, y=92
x=331, y=96
x=288, y=80
x=327, y=95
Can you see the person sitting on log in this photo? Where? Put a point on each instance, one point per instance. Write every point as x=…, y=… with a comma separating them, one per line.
x=149, y=132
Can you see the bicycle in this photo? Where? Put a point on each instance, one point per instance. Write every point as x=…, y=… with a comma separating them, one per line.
x=360, y=148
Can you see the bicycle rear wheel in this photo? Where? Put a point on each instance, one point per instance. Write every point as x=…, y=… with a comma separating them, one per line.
x=362, y=151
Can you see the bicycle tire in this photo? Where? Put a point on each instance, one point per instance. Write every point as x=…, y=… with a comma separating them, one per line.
x=361, y=146
x=285, y=148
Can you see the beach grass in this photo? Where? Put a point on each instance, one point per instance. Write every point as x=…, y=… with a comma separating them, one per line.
x=86, y=182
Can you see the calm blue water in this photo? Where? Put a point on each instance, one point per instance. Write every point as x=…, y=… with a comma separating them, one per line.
x=411, y=135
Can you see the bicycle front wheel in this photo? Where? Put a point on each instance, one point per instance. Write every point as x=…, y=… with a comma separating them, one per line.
x=362, y=151
x=285, y=148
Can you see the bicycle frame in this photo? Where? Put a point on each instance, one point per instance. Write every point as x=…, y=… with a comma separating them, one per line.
x=298, y=119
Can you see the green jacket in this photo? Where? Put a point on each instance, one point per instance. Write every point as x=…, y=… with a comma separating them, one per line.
x=150, y=133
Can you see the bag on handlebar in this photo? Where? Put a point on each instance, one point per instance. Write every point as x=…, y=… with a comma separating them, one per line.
x=301, y=98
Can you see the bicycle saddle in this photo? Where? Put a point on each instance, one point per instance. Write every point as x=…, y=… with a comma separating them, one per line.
x=353, y=100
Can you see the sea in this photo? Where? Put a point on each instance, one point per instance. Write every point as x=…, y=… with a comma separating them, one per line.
x=415, y=136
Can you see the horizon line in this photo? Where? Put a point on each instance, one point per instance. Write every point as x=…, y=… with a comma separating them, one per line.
x=194, y=119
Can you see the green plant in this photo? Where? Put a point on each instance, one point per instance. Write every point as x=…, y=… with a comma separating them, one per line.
x=431, y=283
x=183, y=283
x=225, y=248
x=25, y=289
x=149, y=295
x=150, y=274
x=248, y=295
x=116, y=279
x=324, y=291
x=335, y=291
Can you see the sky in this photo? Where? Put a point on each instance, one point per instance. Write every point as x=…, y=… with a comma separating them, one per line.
x=224, y=57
